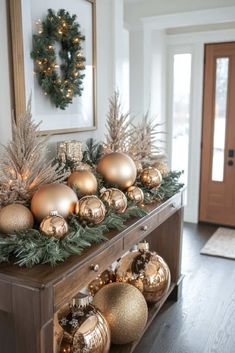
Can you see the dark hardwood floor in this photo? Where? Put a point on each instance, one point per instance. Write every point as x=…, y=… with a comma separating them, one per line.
x=203, y=319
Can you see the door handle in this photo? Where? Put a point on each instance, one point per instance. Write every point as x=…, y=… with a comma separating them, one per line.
x=230, y=162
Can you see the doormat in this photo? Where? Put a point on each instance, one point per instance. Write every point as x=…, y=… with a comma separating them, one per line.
x=221, y=243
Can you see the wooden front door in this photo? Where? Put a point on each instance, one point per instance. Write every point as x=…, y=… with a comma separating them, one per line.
x=217, y=191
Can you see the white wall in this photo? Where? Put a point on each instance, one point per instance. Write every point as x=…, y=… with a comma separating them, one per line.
x=109, y=41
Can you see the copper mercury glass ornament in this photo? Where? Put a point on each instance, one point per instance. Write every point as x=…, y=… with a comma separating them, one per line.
x=151, y=178
x=135, y=194
x=150, y=268
x=85, y=328
x=91, y=209
x=115, y=198
x=54, y=225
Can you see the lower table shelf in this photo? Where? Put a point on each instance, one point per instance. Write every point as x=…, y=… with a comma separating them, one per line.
x=153, y=311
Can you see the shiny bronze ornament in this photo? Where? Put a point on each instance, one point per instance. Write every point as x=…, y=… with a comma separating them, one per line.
x=86, y=329
x=15, y=217
x=90, y=209
x=118, y=168
x=162, y=166
x=54, y=225
x=135, y=194
x=52, y=197
x=84, y=181
x=125, y=309
x=115, y=198
x=106, y=277
x=151, y=178
x=150, y=268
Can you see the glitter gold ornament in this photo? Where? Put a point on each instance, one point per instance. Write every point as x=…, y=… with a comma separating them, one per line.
x=162, y=166
x=52, y=197
x=90, y=209
x=115, y=198
x=118, y=168
x=54, y=225
x=125, y=309
x=151, y=178
x=71, y=149
x=84, y=181
x=135, y=194
x=150, y=268
x=15, y=217
x=86, y=329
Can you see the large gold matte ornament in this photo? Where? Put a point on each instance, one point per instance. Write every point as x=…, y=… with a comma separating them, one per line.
x=52, y=197
x=15, y=217
x=162, y=166
x=135, y=194
x=86, y=329
x=118, y=168
x=90, y=209
x=54, y=225
x=84, y=181
x=116, y=199
x=125, y=309
x=150, y=268
x=151, y=178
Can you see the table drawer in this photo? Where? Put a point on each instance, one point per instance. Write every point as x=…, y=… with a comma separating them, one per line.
x=172, y=207
x=78, y=279
x=140, y=231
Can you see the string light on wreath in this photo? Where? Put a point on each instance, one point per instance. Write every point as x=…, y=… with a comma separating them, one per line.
x=61, y=83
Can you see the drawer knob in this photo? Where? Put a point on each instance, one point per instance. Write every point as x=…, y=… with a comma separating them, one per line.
x=144, y=228
x=173, y=205
x=95, y=268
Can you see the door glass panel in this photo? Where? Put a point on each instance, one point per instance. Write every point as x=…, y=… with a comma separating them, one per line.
x=221, y=88
x=181, y=113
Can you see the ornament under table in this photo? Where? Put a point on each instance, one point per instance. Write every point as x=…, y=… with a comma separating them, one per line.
x=30, y=298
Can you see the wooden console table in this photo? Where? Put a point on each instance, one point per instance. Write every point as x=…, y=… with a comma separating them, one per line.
x=29, y=298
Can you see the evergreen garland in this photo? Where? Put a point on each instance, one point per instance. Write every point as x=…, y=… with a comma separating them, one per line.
x=63, y=28
x=31, y=247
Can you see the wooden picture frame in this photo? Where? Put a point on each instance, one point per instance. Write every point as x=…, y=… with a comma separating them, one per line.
x=22, y=74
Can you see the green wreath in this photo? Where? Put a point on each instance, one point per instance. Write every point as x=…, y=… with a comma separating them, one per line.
x=63, y=28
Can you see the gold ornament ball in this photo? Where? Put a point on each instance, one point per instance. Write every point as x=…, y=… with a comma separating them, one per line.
x=116, y=199
x=54, y=225
x=15, y=217
x=118, y=168
x=106, y=277
x=125, y=309
x=84, y=181
x=151, y=178
x=91, y=209
x=135, y=194
x=150, y=268
x=162, y=166
x=52, y=197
